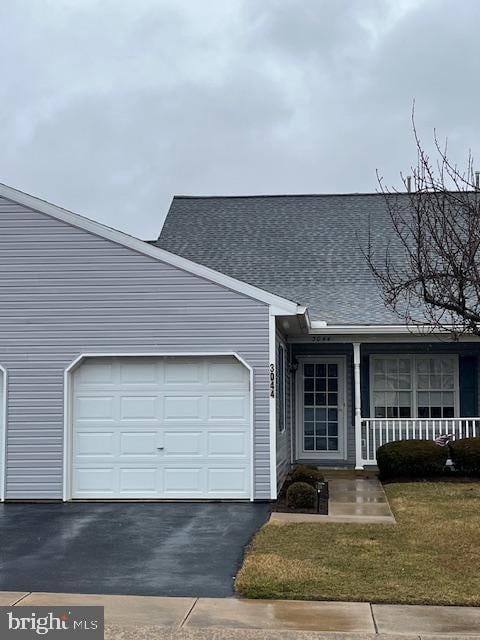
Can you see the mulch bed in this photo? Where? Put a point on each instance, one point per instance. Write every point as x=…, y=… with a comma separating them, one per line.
x=281, y=504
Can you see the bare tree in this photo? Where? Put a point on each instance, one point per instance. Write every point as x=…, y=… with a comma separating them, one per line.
x=429, y=272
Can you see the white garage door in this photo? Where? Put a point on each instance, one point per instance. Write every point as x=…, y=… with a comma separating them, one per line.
x=173, y=427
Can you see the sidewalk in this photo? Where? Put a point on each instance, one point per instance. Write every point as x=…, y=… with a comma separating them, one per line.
x=351, y=499
x=132, y=617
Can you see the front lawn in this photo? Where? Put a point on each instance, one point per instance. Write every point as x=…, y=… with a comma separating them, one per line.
x=431, y=556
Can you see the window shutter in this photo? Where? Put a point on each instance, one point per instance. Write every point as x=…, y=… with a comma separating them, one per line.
x=365, y=390
x=468, y=374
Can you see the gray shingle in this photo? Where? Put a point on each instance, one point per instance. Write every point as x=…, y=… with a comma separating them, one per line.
x=304, y=248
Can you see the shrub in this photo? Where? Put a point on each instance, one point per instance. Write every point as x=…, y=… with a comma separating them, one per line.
x=304, y=473
x=301, y=495
x=466, y=455
x=411, y=458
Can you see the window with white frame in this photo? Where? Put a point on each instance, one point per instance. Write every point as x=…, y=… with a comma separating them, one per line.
x=392, y=387
x=281, y=389
x=414, y=386
x=435, y=384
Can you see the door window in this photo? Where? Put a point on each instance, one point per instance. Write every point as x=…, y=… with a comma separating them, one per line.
x=320, y=407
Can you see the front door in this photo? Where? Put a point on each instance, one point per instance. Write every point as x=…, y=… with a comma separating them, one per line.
x=321, y=398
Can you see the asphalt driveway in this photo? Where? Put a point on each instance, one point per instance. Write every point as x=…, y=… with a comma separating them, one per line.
x=164, y=549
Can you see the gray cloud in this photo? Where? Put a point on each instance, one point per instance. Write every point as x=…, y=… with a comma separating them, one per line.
x=109, y=108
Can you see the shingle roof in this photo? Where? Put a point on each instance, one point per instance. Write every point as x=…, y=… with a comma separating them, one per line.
x=304, y=248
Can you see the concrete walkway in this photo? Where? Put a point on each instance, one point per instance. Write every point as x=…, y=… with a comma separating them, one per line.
x=351, y=499
x=358, y=498
x=131, y=617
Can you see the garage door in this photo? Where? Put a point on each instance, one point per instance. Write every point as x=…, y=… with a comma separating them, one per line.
x=173, y=427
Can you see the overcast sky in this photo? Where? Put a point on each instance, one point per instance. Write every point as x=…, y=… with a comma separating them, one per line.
x=110, y=107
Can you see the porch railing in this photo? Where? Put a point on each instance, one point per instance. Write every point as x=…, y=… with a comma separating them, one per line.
x=378, y=431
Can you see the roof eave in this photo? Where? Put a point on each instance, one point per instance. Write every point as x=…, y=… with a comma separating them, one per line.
x=320, y=327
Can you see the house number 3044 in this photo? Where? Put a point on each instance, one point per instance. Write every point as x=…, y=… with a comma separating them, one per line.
x=272, y=380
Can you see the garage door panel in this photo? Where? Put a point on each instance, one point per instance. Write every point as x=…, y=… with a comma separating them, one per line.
x=227, y=443
x=183, y=443
x=95, y=443
x=182, y=407
x=92, y=481
x=95, y=408
x=139, y=443
x=186, y=373
x=93, y=373
x=227, y=373
x=161, y=427
x=227, y=407
x=139, y=480
x=139, y=408
x=139, y=373
x=183, y=480
x=228, y=480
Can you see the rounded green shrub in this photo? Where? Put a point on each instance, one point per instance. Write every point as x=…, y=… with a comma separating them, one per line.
x=411, y=459
x=305, y=473
x=301, y=495
x=465, y=455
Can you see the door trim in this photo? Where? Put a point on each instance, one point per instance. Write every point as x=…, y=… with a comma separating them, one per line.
x=68, y=404
x=300, y=454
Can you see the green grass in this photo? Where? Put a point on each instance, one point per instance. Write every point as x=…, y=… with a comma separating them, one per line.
x=431, y=556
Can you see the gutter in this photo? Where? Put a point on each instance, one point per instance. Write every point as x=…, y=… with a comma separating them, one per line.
x=319, y=327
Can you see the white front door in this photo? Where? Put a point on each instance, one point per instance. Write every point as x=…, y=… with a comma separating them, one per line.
x=321, y=408
x=171, y=427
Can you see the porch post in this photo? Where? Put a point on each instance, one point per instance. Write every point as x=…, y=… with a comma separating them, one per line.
x=358, y=406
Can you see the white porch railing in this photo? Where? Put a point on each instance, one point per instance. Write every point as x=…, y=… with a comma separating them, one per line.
x=378, y=431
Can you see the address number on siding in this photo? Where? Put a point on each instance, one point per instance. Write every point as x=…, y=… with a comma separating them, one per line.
x=272, y=380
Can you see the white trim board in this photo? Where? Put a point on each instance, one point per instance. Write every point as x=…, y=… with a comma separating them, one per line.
x=3, y=437
x=279, y=305
x=67, y=404
x=412, y=339
x=319, y=328
x=272, y=366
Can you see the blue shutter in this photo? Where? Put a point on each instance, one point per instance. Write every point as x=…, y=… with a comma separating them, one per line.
x=365, y=382
x=468, y=381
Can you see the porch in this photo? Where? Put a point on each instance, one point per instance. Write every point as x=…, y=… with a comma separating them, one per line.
x=342, y=400
x=375, y=432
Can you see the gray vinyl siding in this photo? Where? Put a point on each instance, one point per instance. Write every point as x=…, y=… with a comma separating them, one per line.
x=65, y=291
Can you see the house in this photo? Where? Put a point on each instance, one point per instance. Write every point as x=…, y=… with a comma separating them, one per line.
x=201, y=365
